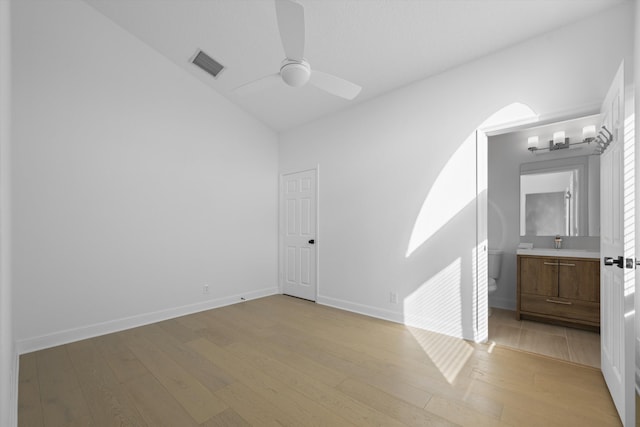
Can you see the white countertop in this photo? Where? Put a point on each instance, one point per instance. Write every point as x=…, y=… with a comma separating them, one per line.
x=571, y=253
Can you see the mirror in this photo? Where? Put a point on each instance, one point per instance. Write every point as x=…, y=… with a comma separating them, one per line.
x=560, y=197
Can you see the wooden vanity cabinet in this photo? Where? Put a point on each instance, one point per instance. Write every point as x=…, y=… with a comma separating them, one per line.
x=559, y=290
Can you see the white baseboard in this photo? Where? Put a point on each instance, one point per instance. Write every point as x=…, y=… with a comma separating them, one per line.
x=503, y=303
x=433, y=325
x=367, y=310
x=70, y=335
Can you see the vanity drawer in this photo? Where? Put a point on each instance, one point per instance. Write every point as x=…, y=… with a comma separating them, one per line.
x=561, y=307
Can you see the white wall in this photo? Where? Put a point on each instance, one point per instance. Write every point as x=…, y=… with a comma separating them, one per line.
x=8, y=357
x=134, y=183
x=379, y=161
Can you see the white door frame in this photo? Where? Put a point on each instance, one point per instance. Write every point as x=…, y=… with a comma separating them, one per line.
x=636, y=126
x=318, y=244
x=481, y=312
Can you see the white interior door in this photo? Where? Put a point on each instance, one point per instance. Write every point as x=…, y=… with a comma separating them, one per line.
x=617, y=242
x=298, y=218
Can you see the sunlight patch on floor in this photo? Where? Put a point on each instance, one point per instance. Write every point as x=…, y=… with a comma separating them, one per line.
x=447, y=353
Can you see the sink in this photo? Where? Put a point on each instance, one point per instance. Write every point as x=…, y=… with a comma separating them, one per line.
x=574, y=253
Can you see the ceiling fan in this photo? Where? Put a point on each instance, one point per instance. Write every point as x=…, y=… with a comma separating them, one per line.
x=295, y=70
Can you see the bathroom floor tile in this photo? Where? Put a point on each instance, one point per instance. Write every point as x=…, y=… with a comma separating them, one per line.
x=585, y=352
x=543, y=343
x=573, y=333
x=584, y=347
x=544, y=327
x=504, y=317
x=575, y=345
x=504, y=334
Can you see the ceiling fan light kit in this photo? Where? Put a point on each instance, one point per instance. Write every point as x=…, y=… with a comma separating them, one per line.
x=295, y=73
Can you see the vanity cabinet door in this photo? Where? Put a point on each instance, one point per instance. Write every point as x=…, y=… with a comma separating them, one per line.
x=579, y=280
x=539, y=276
x=563, y=290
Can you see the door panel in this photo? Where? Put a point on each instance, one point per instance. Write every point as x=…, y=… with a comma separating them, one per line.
x=298, y=234
x=617, y=239
x=539, y=276
x=305, y=217
x=579, y=280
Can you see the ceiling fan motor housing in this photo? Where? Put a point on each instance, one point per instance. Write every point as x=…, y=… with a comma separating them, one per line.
x=295, y=73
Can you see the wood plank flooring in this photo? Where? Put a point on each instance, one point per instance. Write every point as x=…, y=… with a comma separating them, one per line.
x=280, y=361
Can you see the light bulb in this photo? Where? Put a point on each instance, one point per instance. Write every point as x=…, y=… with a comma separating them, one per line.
x=558, y=137
x=589, y=132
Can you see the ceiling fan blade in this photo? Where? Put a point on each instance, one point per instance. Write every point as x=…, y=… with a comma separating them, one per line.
x=334, y=85
x=291, y=25
x=259, y=85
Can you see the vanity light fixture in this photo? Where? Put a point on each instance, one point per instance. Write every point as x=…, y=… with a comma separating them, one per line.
x=560, y=141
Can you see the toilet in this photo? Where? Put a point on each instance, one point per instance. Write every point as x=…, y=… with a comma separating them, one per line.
x=495, y=261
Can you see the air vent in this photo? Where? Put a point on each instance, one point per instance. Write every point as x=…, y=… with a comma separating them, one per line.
x=207, y=63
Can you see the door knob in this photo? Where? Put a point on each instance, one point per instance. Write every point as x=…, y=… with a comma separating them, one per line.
x=617, y=261
x=312, y=241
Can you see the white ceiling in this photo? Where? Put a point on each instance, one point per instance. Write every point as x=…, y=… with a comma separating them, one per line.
x=378, y=44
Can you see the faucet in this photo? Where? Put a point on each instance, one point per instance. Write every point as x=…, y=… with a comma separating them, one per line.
x=558, y=242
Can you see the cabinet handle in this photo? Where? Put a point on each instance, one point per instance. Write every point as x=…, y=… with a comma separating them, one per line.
x=551, y=263
x=567, y=265
x=559, y=302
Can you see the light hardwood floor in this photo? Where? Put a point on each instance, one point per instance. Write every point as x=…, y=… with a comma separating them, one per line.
x=280, y=361
x=574, y=345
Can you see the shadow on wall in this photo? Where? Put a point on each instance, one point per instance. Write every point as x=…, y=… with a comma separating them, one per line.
x=438, y=304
